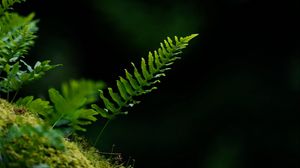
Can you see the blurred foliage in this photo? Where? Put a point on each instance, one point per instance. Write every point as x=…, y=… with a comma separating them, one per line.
x=17, y=35
x=68, y=110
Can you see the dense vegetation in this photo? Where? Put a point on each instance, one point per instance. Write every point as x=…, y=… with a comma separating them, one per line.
x=37, y=133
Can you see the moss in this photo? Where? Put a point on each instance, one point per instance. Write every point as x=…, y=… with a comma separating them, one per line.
x=95, y=158
x=11, y=115
x=28, y=151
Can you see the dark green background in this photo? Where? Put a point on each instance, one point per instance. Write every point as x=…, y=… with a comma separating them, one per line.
x=231, y=102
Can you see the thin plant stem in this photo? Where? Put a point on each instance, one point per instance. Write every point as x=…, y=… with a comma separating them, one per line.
x=7, y=96
x=16, y=93
x=101, y=132
x=57, y=121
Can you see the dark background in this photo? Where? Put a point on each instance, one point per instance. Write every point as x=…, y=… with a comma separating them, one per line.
x=231, y=102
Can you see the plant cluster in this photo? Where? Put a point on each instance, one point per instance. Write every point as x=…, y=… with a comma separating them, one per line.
x=35, y=132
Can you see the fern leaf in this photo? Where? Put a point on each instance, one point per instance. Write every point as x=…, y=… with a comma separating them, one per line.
x=138, y=76
x=151, y=63
x=6, y=4
x=132, y=81
x=17, y=34
x=67, y=110
x=116, y=97
x=102, y=112
x=127, y=86
x=70, y=111
x=122, y=91
x=157, y=57
x=145, y=72
x=82, y=117
x=143, y=80
x=37, y=106
x=108, y=104
x=59, y=101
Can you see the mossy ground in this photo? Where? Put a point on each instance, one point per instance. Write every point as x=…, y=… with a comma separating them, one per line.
x=30, y=151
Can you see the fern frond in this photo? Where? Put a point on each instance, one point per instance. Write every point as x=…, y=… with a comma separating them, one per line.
x=67, y=110
x=70, y=107
x=69, y=115
x=17, y=35
x=6, y=4
x=37, y=106
x=142, y=80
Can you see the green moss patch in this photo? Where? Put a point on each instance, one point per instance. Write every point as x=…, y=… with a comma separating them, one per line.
x=25, y=141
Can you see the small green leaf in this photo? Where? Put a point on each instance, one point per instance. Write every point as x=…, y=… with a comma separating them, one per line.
x=157, y=60
x=177, y=41
x=24, y=101
x=101, y=111
x=109, y=105
x=138, y=76
x=40, y=107
x=132, y=81
x=171, y=42
x=88, y=115
x=59, y=101
x=164, y=52
x=151, y=63
x=122, y=90
x=169, y=49
x=37, y=106
x=145, y=72
x=127, y=86
x=116, y=97
x=190, y=37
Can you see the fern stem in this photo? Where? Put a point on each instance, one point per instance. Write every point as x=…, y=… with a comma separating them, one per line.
x=101, y=132
x=7, y=96
x=15, y=95
x=61, y=116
